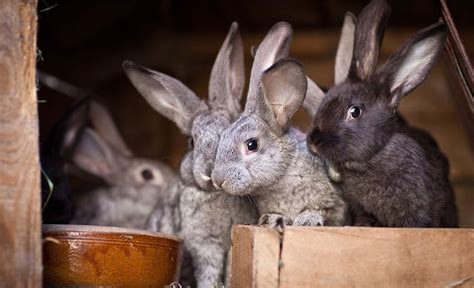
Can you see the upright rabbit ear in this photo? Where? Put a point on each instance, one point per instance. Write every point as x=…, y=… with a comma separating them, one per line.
x=228, y=76
x=275, y=46
x=94, y=156
x=345, y=48
x=314, y=96
x=410, y=65
x=166, y=95
x=104, y=125
x=369, y=33
x=283, y=89
x=65, y=135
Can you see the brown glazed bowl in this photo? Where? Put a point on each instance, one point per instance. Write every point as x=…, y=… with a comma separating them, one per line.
x=80, y=255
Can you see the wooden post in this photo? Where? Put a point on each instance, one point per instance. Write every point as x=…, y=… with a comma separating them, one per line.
x=255, y=254
x=20, y=217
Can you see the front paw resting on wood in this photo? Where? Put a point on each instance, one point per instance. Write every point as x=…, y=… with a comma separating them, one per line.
x=274, y=221
x=309, y=218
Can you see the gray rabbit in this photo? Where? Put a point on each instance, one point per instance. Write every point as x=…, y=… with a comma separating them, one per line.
x=135, y=184
x=392, y=174
x=207, y=215
x=263, y=156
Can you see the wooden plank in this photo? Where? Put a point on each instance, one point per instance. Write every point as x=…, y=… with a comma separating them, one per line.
x=20, y=220
x=376, y=257
x=255, y=254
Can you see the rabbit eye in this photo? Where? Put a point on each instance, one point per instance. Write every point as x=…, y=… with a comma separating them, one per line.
x=147, y=174
x=354, y=112
x=251, y=145
x=191, y=143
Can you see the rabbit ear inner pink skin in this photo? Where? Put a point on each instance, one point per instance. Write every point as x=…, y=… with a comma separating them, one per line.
x=390, y=171
x=369, y=32
x=287, y=181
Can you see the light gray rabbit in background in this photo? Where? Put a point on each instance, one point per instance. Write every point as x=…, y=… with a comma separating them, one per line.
x=261, y=155
x=207, y=215
x=135, y=185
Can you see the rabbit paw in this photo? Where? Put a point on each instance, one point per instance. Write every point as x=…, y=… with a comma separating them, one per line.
x=309, y=218
x=274, y=221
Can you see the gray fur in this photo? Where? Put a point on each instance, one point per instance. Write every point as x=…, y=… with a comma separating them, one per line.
x=207, y=215
x=289, y=184
x=391, y=174
x=129, y=199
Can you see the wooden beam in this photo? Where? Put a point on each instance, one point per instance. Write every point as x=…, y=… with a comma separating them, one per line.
x=20, y=218
x=255, y=254
x=353, y=257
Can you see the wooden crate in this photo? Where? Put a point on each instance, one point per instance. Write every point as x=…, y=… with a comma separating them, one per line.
x=352, y=256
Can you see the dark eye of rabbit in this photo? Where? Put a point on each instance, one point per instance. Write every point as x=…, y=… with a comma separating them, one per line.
x=147, y=174
x=252, y=145
x=191, y=143
x=354, y=112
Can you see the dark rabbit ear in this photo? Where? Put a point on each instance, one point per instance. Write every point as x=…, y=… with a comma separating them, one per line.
x=345, y=48
x=275, y=46
x=66, y=133
x=93, y=155
x=284, y=87
x=228, y=76
x=369, y=33
x=168, y=96
x=104, y=125
x=410, y=65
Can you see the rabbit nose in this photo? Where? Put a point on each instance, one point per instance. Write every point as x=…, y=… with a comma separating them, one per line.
x=314, y=139
x=217, y=179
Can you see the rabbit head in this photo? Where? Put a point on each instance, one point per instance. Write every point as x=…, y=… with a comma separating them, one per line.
x=102, y=152
x=203, y=122
x=358, y=117
x=252, y=152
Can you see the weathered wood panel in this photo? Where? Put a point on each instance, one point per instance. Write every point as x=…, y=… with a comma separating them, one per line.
x=255, y=254
x=352, y=257
x=376, y=257
x=20, y=220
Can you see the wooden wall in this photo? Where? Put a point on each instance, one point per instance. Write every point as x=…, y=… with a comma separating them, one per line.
x=20, y=230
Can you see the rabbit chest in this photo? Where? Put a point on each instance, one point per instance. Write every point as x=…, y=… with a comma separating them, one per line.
x=304, y=186
x=400, y=185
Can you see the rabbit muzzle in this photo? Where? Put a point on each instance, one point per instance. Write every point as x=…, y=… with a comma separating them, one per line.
x=314, y=139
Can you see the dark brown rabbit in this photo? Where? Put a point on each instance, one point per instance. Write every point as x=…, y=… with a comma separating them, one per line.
x=391, y=174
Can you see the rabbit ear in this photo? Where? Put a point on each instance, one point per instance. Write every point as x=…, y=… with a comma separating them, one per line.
x=104, y=125
x=284, y=87
x=274, y=46
x=228, y=76
x=410, y=65
x=64, y=136
x=345, y=48
x=168, y=96
x=368, y=37
x=314, y=96
x=93, y=155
